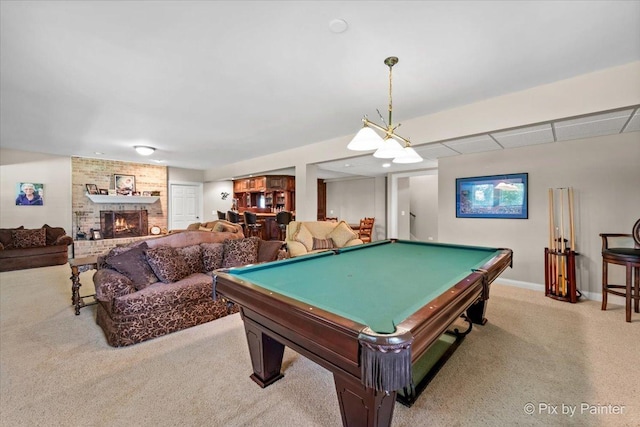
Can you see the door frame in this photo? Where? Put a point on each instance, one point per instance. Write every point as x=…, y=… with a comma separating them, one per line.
x=199, y=189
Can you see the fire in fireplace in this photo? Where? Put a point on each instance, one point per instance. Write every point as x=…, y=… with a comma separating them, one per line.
x=116, y=224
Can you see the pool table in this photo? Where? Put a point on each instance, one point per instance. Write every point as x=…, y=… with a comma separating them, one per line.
x=366, y=313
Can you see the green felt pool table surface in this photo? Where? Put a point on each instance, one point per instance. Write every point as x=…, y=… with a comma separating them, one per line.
x=378, y=284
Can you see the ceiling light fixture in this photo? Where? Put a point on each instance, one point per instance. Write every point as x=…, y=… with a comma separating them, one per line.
x=144, y=150
x=393, y=146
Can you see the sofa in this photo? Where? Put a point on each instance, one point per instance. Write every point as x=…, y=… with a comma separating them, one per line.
x=307, y=237
x=161, y=285
x=22, y=248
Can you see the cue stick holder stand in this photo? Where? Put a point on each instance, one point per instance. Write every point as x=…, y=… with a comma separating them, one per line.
x=561, y=286
x=560, y=256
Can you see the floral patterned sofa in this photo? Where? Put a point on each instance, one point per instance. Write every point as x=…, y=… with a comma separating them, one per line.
x=162, y=285
x=22, y=248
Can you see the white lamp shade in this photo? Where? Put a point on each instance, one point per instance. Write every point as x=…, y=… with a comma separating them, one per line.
x=409, y=155
x=389, y=149
x=366, y=139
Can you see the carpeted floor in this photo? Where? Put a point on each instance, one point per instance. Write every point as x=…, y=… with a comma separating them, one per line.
x=57, y=370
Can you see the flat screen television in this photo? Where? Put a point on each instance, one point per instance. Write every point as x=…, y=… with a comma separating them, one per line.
x=495, y=196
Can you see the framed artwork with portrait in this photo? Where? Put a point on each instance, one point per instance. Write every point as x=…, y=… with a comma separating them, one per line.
x=92, y=188
x=29, y=194
x=125, y=185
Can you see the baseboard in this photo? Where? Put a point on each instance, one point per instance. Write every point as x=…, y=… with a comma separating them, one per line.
x=592, y=296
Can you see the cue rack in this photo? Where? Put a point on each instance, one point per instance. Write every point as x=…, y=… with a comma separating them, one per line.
x=560, y=256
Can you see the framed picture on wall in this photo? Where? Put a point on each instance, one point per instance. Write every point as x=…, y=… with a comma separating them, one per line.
x=495, y=196
x=125, y=185
x=29, y=194
x=92, y=188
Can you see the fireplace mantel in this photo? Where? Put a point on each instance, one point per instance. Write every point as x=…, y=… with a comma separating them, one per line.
x=97, y=198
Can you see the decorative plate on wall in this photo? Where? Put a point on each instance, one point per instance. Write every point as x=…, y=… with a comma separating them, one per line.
x=155, y=230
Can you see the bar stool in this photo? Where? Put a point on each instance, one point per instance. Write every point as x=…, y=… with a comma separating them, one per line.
x=233, y=216
x=630, y=258
x=251, y=224
x=283, y=218
x=222, y=215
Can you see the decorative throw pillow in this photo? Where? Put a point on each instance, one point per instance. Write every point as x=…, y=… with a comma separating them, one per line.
x=28, y=238
x=205, y=229
x=219, y=227
x=239, y=252
x=193, y=227
x=6, y=237
x=167, y=263
x=132, y=262
x=268, y=250
x=322, y=244
x=193, y=257
x=52, y=233
x=304, y=236
x=212, y=256
x=341, y=234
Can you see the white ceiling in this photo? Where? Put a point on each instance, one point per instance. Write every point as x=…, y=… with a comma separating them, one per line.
x=214, y=82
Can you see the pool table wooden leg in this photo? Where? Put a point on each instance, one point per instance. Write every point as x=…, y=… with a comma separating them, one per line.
x=266, y=355
x=476, y=312
x=361, y=406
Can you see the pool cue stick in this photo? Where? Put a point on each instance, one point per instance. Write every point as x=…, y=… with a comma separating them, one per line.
x=571, y=223
x=563, y=287
x=552, y=244
x=573, y=240
x=551, y=255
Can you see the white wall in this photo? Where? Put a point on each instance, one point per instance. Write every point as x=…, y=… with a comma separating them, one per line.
x=424, y=204
x=604, y=173
x=353, y=199
x=52, y=171
x=213, y=201
x=184, y=175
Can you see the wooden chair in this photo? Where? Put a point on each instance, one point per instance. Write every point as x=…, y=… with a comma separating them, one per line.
x=630, y=258
x=222, y=215
x=366, y=229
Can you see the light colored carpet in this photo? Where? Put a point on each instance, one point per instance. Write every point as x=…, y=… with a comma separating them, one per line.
x=57, y=370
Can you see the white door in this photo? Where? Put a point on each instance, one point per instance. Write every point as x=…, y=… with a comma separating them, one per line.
x=185, y=205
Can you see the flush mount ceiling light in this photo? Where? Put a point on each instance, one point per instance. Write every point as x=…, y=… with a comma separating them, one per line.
x=144, y=150
x=392, y=146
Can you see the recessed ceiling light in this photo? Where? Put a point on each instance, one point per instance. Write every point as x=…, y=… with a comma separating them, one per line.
x=347, y=165
x=98, y=153
x=338, y=26
x=158, y=161
x=386, y=165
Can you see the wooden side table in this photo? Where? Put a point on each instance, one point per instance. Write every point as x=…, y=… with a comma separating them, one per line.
x=80, y=265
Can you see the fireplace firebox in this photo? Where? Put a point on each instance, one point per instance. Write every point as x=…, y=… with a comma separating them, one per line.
x=117, y=224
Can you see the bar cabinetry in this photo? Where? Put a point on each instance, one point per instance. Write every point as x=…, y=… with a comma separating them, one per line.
x=270, y=193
